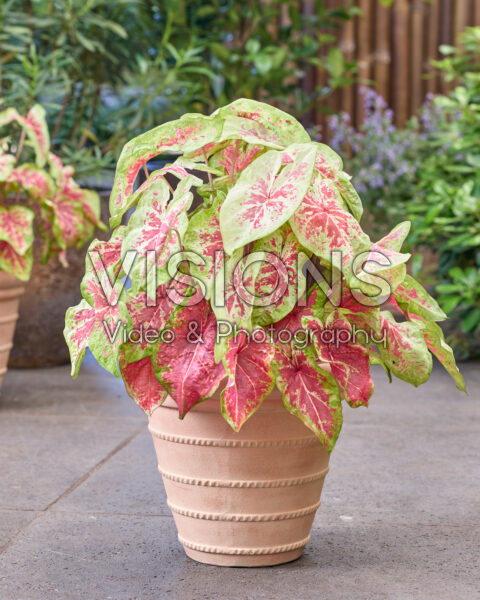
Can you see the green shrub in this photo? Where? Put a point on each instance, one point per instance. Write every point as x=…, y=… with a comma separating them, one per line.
x=446, y=207
x=107, y=71
x=383, y=160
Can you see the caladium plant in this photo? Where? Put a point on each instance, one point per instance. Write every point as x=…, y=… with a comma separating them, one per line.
x=243, y=266
x=38, y=195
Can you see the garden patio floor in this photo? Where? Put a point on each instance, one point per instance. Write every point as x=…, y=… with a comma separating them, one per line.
x=83, y=513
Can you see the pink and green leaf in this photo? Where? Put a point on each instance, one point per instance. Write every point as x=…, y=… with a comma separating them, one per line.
x=158, y=225
x=249, y=379
x=322, y=224
x=16, y=227
x=232, y=302
x=36, y=128
x=412, y=298
x=281, y=124
x=281, y=279
x=98, y=327
x=187, y=367
x=141, y=383
x=265, y=197
x=7, y=163
x=349, y=362
x=183, y=135
x=204, y=238
x=436, y=343
x=33, y=180
x=310, y=394
x=18, y=265
x=405, y=352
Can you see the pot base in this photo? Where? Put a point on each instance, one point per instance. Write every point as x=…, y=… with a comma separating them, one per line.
x=245, y=499
x=243, y=560
x=10, y=291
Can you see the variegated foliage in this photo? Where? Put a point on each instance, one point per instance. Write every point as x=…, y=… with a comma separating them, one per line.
x=275, y=209
x=38, y=194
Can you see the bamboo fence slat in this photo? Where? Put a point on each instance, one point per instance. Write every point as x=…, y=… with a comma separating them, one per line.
x=393, y=47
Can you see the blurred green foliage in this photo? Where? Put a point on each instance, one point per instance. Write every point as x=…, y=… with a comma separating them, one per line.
x=107, y=70
x=446, y=208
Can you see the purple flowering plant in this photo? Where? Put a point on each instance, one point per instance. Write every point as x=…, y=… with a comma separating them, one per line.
x=382, y=158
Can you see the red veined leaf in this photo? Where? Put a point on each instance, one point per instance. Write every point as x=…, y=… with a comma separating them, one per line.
x=16, y=227
x=436, y=343
x=349, y=362
x=363, y=316
x=158, y=225
x=292, y=322
x=250, y=378
x=265, y=197
x=283, y=125
x=187, y=368
x=141, y=383
x=19, y=265
x=327, y=161
x=310, y=394
x=98, y=326
x=280, y=281
x=233, y=302
x=146, y=317
x=7, y=162
x=394, y=240
x=329, y=166
x=104, y=265
x=349, y=194
x=35, y=127
x=60, y=173
x=384, y=260
x=68, y=223
x=250, y=131
x=157, y=181
x=183, y=135
x=322, y=224
x=204, y=238
x=33, y=180
x=413, y=299
x=241, y=153
x=405, y=352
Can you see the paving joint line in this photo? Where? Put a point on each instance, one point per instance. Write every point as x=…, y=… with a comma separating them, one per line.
x=73, y=486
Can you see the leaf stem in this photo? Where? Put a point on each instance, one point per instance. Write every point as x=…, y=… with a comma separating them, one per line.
x=234, y=163
x=210, y=179
x=20, y=145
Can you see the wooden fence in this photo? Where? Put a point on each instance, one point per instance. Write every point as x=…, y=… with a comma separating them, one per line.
x=393, y=48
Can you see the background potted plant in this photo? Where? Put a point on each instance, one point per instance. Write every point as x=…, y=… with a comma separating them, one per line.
x=275, y=205
x=38, y=197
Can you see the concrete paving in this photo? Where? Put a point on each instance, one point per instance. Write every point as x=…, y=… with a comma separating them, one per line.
x=83, y=512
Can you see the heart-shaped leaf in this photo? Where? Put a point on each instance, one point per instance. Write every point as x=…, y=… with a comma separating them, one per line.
x=141, y=383
x=310, y=394
x=187, y=368
x=405, y=352
x=322, y=224
x=250, y=378
x=266, y=195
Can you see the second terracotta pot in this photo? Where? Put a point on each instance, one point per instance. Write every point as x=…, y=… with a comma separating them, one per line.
x=240, y=499
x=11, y=289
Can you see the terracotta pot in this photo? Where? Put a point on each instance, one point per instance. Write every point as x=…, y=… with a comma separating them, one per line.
x=11, y=289
x=244, y=499
x=51, y=289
